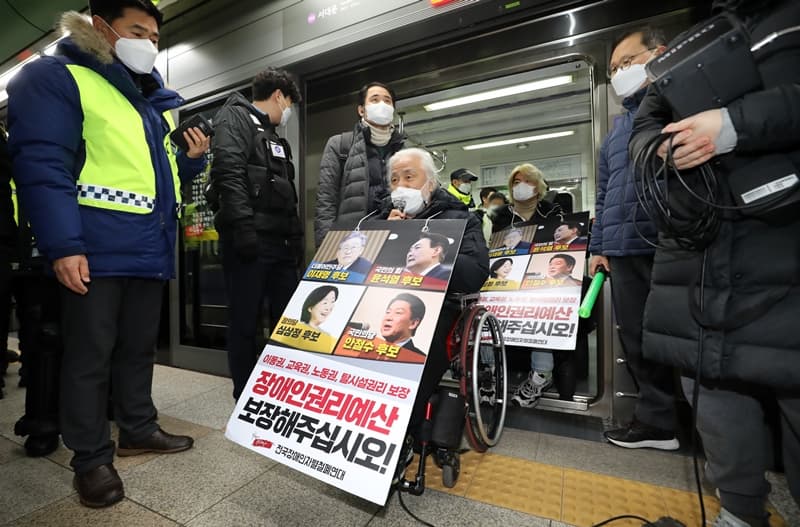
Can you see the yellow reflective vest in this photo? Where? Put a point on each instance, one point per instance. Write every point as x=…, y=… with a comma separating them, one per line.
x=114, y=136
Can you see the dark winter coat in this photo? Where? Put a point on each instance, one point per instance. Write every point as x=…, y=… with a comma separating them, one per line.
x=471, y=267
x=252, y=181
x=8, y=228
x=545, y=210
x=751, y=279
x=350, y=190
x=620, y=226
x=48, y=151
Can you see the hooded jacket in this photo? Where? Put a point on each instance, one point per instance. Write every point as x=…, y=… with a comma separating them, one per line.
x=749, y=276
x=620, y=226
x=471, y=267
x=347, y=187
x=48, y=158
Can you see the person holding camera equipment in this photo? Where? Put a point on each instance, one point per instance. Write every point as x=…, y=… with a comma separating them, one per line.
x=720, y=182
x=253, y=196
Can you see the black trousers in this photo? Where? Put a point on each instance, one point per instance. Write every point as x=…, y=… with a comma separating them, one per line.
x=38, y=310
x=435, y=366
x=630, y=285
x=109, y=334
x=272, y=276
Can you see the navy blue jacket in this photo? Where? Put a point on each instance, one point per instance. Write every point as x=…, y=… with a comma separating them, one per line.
x=618, y=215
x=45, y=123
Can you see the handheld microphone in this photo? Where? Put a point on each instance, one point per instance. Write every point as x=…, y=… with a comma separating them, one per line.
x=399, y=204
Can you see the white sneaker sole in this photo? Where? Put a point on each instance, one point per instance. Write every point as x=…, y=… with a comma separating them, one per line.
x=669, y=444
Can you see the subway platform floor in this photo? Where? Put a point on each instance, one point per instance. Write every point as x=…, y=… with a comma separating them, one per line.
x=529, y=479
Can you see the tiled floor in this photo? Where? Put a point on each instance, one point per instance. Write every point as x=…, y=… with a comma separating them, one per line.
x=217, y=483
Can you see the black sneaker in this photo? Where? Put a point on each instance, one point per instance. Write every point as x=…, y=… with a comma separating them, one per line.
x=640, y=435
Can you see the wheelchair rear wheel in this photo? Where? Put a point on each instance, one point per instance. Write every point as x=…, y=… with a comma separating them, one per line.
x=484, y=377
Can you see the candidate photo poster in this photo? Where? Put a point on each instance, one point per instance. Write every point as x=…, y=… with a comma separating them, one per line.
x=346, y=256
x=321, y=399
x=514, y=240
x=418, y=258
x=536, y=296
x=316, y=315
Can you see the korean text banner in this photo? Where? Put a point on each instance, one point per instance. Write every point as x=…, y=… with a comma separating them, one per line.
x=534, y=285
x=332, y=392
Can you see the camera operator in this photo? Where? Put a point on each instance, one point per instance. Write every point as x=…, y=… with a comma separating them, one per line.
x=717, y=302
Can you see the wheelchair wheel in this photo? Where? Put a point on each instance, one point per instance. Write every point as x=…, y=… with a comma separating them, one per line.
x=484, y=377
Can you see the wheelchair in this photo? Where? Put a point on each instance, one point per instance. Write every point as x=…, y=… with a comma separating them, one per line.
x=471, y=404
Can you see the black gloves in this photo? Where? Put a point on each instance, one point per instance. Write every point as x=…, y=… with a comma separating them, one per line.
x=245, y=240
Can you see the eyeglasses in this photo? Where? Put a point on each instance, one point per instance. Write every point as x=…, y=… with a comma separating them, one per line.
x=625, y=63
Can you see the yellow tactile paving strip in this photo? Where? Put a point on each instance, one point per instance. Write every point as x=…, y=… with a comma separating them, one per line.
x=575, y=497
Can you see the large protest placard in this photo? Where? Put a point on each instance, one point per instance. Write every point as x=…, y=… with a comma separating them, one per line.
x=534, y=287
x=332, y=392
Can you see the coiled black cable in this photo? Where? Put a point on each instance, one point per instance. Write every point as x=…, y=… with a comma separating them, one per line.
x=690, y=218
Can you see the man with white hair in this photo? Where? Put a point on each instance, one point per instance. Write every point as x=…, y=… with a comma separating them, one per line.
x=415, y=194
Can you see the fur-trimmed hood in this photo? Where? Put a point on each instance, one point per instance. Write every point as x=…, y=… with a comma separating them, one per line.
x=85, y=36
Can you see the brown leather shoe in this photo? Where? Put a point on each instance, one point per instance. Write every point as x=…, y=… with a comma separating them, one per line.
x=99, y=487
x=160, y=443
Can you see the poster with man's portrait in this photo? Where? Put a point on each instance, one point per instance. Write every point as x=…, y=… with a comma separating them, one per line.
x=536, y=297
x=515, y=240
x=369, y=296
x=346, y=256
x=316, y=315
x=392, y=325
x=566, y=233
x=417, y=257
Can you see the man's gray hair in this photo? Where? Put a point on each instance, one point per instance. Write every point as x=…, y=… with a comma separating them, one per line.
x=355, y=235
x=423, y=155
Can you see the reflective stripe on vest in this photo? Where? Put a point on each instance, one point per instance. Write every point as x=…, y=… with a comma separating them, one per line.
x=118, y=172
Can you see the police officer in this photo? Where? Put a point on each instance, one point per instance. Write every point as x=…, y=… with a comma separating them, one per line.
x=102, y=191
x=253, y=193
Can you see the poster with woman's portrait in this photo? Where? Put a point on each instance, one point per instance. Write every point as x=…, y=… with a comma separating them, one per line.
x=316, y=316
x=506, y=273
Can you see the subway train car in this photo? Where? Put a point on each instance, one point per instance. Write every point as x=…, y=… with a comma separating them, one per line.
x=545, y=66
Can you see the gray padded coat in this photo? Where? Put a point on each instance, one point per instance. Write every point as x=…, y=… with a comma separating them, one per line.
x=344, y=184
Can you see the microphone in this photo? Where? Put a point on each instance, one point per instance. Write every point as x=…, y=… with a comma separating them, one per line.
x=362, y=326
x=399, y=204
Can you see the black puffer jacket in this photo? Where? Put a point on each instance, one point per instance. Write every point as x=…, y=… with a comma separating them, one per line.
x=248, y=180
x=503, y=217
x=751, y=293
x=471, y=268
x=349, y=192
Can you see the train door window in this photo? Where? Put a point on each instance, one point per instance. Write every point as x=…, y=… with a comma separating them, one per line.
x=542, y=116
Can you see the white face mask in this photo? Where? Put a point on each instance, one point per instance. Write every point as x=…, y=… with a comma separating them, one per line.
x=286, y=114
x=379, y=113
x=628, y=81
x=523, y=192
x=139, y=54
x=408, y=200
x=466, y=188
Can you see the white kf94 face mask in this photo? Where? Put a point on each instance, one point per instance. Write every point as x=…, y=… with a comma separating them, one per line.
x=139, y=54
x=628, y=81
x=408, y=200
x=379, y=113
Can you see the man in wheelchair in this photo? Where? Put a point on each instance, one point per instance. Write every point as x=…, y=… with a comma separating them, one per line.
x=416, y=194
